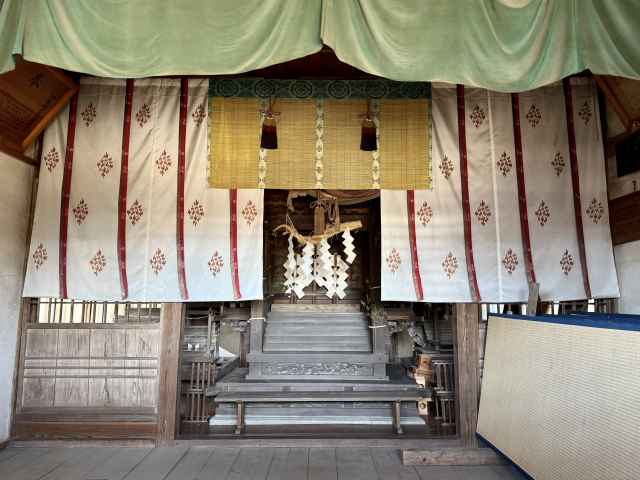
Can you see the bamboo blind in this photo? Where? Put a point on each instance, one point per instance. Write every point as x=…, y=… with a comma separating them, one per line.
x=329, y=126
x=293, y=163
x=234, y=141
x=404, y=144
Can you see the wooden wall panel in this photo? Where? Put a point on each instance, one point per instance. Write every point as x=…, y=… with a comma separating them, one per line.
x=41, y=343
x=88, y=382
x=38, y=392
x=624, y=213
x=90, y=367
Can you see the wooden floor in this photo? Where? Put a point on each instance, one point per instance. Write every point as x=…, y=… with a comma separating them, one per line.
x=196, y=462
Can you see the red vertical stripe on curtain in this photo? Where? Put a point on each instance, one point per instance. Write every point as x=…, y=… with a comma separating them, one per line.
x=575, y=183
x=66, y=194
x=411, y=215
x=466, y=210
x=182, y=140
x=235, y=275
x=522, y=190
x=122, y=193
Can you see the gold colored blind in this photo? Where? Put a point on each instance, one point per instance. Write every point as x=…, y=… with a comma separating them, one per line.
x=405, y=131
x=319, y=144
x=234, y=141
x=293, y=162
x=344, y=162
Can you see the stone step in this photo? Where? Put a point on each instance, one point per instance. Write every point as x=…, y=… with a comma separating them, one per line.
x=318, y=337
x=317, y=321
x=318, y=340
x=297, y=336
x=325, y=315
x=316, y=345
x=318, y=325
x=302, y=332
x=325, y=308
x=318, y=357
x=322, y=347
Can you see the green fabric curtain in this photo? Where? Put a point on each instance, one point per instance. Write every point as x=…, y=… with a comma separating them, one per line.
x=507, y=45
x=142, y=38
x=11, y=25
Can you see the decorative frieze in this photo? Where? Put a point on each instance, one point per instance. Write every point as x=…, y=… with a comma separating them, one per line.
x=318, y=368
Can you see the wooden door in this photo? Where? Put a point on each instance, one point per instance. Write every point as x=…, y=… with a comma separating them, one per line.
x=275, y=248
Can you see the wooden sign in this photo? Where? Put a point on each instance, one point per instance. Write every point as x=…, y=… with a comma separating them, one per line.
x=30, y=97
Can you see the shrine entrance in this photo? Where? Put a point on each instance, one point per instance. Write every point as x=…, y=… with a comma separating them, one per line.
x=310, y=215
x=316, y=356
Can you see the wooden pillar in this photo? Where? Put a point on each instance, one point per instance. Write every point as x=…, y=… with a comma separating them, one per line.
x=465, y=327
x=257, y=326
x=171, y=320
x=318, y=219
x=245, y=339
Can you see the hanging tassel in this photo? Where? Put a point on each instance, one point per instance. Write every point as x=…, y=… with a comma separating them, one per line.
x=269, y=137
x=368, y=141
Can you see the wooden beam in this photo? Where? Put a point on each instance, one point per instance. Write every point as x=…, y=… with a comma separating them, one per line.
x=85, y=429
x=466, y=356
x=9, y=150
x=25, y=305
x=171, y=319
x=452, y=456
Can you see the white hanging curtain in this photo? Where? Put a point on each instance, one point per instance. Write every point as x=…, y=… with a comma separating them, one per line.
x=123, y=209
x=519, y=195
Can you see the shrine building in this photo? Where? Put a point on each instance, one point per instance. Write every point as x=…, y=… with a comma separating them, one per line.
x=319, y=239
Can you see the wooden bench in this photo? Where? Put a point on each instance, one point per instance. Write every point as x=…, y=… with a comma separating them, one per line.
x=241, y=398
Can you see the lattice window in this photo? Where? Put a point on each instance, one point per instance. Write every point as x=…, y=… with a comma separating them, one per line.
x=71, y=312
x=600, y=305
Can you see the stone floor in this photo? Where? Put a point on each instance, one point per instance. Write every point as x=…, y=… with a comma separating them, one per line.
x=204, y=462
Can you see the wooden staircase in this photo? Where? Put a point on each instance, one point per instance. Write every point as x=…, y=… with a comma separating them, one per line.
x=302, y=343
x=317, y=332
x=316, y=364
